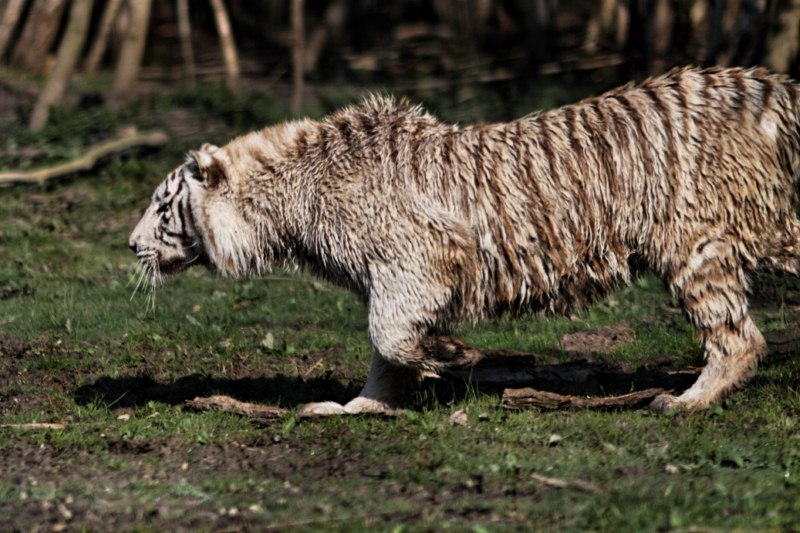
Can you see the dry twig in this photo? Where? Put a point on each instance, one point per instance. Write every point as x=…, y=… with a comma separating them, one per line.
x=34, y=425
x=86, y=161
x=231, y=405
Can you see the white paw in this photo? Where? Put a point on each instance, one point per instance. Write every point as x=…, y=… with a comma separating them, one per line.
x=667, y=403
x=367, y=405
x=322, y=409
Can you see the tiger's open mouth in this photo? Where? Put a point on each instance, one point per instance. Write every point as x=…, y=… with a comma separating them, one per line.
x=173, y=267
x=159, y=266
x=179, y=264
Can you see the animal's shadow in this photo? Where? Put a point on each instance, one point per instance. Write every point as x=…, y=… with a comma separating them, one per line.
x=287, y=391
x=489, y=376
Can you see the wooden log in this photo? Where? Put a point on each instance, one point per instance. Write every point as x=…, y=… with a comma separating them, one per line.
x=783, y=341
x=529, y=397
x=257, y=412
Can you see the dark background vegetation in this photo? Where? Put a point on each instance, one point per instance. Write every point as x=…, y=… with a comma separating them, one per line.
x=113, y=372
x=428, y=49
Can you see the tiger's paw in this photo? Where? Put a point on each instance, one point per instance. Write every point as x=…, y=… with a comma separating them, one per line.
x=668, y=404
x=316, y=409
x=363, y=405
x=357, y=406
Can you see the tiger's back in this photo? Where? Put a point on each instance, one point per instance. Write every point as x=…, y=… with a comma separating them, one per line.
x=561, y=201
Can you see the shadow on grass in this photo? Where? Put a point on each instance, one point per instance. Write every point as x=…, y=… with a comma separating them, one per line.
x=134, y=391
x=490, y=376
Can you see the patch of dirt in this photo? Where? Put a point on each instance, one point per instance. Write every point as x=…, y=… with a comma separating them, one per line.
x=119, y=496
x=21, y=388
x=599, y=340
x=116, y=499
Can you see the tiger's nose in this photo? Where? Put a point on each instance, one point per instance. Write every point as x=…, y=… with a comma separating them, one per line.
x=133, y=246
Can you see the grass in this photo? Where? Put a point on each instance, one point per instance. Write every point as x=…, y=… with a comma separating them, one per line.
x=76, y=348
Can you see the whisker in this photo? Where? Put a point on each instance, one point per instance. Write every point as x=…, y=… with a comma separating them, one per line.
x=134, y=275
x=141, y=274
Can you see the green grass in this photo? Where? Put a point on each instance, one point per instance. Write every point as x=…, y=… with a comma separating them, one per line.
x=77, y=349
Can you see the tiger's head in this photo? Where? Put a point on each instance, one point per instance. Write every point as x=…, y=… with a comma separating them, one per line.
x=193, y=220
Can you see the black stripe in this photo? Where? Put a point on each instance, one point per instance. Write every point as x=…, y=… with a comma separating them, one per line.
x=673, y=161
x=740, y=95
x=181, y=216
x=768, y=86
x=342, y=124
x=602, y=147
x=683, y=103
x=645, y=145
x=479, y=159
x=672, y=156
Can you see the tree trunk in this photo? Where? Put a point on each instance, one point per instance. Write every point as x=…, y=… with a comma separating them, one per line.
x=185, y=32
x=783, y=42
x=325, y=35
x=68, y=54
x=101, y=42
x=660, y=36
x=38, y=35
x=11, y=17
x=228, y=45
x=130, y=57
x=298, y=55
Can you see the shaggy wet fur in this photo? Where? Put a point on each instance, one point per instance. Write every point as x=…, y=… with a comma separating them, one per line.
x=690, y=174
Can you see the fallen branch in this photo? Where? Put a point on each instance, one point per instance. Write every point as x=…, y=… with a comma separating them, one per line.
x=87, y=160
x=528, y=397
x=257, y=412
x=34, y=425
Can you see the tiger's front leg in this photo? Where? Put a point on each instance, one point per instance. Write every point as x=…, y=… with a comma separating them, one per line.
x=388, y=389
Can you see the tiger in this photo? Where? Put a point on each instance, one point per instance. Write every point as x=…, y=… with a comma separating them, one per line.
x=690, y=174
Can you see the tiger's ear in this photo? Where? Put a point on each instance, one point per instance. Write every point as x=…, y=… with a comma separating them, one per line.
x=209, y=167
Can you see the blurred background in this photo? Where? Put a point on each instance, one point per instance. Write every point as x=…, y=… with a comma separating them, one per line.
x=467, y=59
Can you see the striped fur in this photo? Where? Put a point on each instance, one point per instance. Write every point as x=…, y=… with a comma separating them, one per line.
x=432, y=224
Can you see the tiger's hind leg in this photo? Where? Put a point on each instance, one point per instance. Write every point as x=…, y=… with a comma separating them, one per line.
x=711, y=288
x=783, y=252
